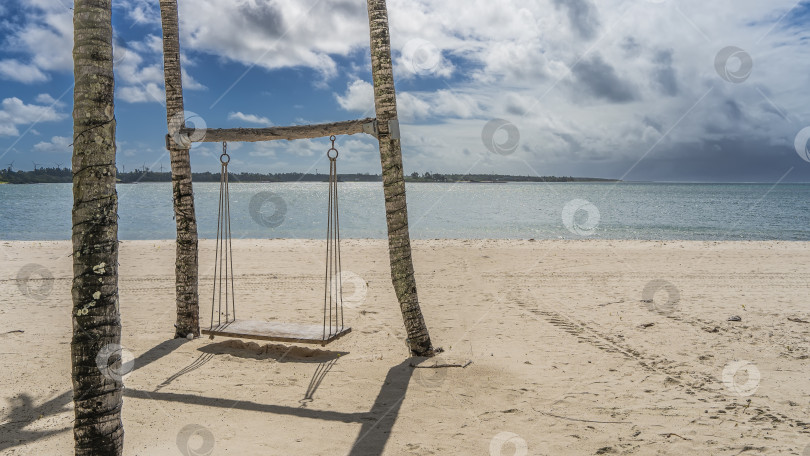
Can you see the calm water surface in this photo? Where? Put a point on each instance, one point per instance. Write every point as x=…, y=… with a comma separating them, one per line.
x=506, y=211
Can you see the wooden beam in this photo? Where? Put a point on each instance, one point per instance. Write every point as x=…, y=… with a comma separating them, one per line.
x=348, y=127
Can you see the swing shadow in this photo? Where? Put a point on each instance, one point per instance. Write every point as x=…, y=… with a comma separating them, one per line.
x=376, y=424
x=279, y=352
x=24, y=413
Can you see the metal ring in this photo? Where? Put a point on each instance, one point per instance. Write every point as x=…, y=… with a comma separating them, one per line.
x=328, y=153
x=222, y=159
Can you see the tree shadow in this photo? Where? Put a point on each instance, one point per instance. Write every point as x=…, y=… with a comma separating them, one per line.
x=376, y=424
x=24, y=412
x=380, y=420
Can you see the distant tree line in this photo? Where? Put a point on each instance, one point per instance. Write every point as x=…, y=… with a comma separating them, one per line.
x=483, y=178
x=64, y=175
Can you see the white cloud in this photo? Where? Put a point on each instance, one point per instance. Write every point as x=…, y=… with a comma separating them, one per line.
x=359, y=97
x=14, y=111
x=150, y=92
x=56, y=144
x=250, y=118
x=45, y=98
x=23, y=72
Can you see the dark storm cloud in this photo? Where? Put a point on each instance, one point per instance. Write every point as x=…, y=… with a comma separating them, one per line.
x=724, y=160
x=664, y=74
x=599, y=79
x=583, y=16
x=631, y=47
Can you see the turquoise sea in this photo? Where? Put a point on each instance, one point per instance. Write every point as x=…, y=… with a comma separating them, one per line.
x=463, y=210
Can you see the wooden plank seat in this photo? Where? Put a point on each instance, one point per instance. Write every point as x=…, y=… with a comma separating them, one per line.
x=275, y=331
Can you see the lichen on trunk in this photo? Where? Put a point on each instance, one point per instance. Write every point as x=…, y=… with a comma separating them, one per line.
x=97, y=398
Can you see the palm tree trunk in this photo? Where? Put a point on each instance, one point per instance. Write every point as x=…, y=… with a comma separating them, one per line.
x=396, y=212
x=186, y=267
x=97, y=429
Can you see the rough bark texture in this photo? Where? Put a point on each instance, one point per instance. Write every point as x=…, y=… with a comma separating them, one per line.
x=348, y=127
x=97, y=428
x=399, y=243
x=186, y=267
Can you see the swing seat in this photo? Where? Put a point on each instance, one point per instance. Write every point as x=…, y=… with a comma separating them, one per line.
x=275, y=331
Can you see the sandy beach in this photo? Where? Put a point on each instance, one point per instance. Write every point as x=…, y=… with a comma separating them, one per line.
x=572, y=351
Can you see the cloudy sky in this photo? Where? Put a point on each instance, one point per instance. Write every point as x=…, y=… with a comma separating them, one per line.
x=670, y=90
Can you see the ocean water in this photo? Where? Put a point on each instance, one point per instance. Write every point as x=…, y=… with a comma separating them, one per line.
x=646, y=211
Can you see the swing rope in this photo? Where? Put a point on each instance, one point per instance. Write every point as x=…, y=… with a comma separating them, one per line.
x=223, y=256
x=333, y=325
x=333, y=287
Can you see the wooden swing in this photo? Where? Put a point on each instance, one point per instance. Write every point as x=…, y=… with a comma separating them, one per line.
x=332, y=328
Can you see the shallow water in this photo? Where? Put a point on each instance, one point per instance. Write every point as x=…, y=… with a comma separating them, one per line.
x=513, y=210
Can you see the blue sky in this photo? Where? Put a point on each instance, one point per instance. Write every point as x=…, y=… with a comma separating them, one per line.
x=627, y=89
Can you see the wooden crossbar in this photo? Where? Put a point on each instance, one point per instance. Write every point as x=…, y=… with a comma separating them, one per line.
x=347, y=127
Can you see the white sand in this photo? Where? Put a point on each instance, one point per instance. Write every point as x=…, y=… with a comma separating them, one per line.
x=560, y=361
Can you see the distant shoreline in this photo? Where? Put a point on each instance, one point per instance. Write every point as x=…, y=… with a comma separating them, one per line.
x=65, y=175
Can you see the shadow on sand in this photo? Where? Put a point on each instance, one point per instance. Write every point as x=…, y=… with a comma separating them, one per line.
x=24, y=412
x=376, y=424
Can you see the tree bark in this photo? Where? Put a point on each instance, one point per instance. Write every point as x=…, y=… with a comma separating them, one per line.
x=396, y=211
x=97, y=429
x=186, y=264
